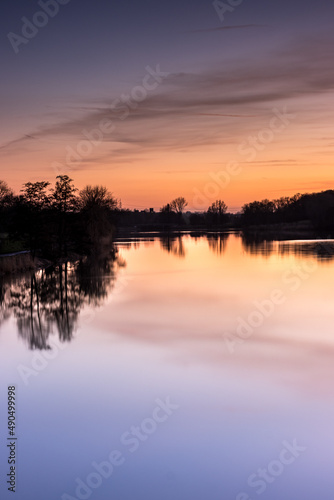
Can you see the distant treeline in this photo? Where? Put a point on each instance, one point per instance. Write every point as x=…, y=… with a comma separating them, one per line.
x=54, y=221
x=318, y=208
x=173, y=216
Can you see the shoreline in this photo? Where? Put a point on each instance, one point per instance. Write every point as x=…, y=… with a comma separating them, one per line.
x=22, y=262
x=15, y=263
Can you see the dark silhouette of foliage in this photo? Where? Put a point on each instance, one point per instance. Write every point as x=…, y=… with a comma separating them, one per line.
x=216, y=213
x=218, y=207
x=97, y=196
x=318, y=208
x=35, y=195
x=97, y=205
x=6, y=195
x=54, y=223
x=64, y=202
x=51, y=222
x=63, y=195
x=178, y=205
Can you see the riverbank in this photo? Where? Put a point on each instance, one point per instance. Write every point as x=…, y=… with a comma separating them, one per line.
x=20, y=262
x=286, y=231
x=16, y=263
x=281, y=231
x=23, y=262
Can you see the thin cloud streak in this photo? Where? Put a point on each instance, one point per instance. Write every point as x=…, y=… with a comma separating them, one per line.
x=227, y=28
x=165, y=120
x=231, y=116
x=17, y=141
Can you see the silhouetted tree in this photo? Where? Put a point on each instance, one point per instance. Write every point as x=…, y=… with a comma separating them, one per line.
x=6, y=203
x=167, y=216
x=64, y=201
x=178, y=205
x=258, y=212
x=30, y=215
x=6, y=195
x=97, y=205
x=316, y=207
x=35, y=195
x=216, y=212
x=64, y=194
x=218, y=207
x=97, y=196
x=166, y=208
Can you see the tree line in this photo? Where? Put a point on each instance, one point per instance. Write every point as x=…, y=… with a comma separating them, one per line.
x=317, y=208
x=173, y=216
x=53, y=221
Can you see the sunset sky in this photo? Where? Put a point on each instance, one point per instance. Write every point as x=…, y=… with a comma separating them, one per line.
x=160, y=99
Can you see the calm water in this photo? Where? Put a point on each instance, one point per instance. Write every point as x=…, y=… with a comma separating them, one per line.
x=187, y=368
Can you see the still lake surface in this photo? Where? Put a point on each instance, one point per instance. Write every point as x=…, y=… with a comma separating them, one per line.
x=201, y=359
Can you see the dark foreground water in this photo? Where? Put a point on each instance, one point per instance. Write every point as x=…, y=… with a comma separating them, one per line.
x=188, y=368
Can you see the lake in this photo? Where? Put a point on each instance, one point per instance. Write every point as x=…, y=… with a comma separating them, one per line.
x=182, y=367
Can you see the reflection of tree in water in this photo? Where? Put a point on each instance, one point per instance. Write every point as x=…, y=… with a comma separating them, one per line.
x=4, y=313
x=259, y=245
x=323, y=250
x=173, y=244
x=217, y=242
x=50, y=300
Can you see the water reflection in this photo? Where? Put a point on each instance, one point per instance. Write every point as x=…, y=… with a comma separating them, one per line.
x=173, y=244
x=217, y=242
x=259, y=245
x=166, y=336
x=49, y=301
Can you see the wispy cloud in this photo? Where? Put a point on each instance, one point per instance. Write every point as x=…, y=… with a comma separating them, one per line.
x=227, y=28
x=19, y=140
x=214, y=106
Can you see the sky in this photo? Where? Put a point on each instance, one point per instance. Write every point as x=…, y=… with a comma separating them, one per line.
x=227, y=100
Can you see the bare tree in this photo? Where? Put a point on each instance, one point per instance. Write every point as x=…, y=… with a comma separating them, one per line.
x=6, y=194
x=178, y=205
x=218, y=207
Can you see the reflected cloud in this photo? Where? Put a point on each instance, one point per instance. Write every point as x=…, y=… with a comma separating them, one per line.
x=50, y=301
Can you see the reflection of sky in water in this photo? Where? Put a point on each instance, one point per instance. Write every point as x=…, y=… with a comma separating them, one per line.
x=162, y=334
